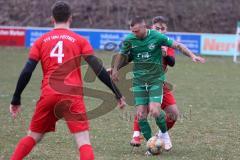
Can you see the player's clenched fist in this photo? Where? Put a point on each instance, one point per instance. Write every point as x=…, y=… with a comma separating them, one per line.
x=14, y=110
x=121, y=102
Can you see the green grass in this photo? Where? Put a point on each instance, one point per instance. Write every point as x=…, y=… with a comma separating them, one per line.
x=208, y=96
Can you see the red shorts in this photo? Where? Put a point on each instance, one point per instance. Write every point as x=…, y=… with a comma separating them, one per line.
x=51, y=108
x=168, y=97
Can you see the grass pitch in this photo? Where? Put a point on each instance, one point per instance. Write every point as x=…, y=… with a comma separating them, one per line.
x=208, y=96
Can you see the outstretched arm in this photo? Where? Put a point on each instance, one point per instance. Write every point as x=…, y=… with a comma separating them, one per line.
x=182, y=48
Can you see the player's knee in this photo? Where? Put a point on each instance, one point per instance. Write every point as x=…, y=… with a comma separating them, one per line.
x=154, y=109
x=142, y=113
x=36, y=136
x=154, y=112
x=173, y=113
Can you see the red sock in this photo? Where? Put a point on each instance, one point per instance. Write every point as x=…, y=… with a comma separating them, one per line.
x=135, y=124
x=86, y=152
x=23, y=148
x=170, y=122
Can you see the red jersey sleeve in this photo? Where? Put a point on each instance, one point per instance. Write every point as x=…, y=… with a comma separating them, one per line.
x=34, y=52
x=86, y=47
x=170, y=52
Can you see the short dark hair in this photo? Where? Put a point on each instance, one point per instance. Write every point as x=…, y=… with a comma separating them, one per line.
x=61, y=11
x=159, y=19
x=136, y=20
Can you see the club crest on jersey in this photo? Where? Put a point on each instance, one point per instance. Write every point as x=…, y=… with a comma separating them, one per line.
x=127, y=44
x=151, y=46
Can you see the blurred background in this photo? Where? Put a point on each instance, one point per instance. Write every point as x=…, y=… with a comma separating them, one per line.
x=208, y=16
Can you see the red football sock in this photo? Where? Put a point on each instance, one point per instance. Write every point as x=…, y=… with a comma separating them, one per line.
x=170, y=122
x=135, y=124
x=86, y=152
x=23, y=148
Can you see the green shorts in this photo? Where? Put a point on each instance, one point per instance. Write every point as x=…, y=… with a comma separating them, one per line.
x=144, y=94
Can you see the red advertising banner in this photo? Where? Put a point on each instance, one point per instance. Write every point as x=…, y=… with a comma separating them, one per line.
x=12, y=36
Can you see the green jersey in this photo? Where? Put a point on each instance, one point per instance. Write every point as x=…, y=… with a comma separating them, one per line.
x=147, y=56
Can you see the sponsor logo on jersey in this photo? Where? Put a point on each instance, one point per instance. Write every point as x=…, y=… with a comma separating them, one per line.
x=143, y=55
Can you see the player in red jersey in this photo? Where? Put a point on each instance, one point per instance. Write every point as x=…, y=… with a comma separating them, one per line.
x=59, y=52
x=159, y=23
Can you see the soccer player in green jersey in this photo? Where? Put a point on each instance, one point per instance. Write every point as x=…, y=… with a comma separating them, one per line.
x=144, y=46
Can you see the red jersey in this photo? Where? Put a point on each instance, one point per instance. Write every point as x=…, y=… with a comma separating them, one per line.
x=54, y=49
x=170, y=52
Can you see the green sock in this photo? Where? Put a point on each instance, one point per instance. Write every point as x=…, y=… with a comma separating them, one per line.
x=161, y=122
x=145, y=128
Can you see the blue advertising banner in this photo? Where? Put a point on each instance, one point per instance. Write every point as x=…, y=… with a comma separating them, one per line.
x=99, y=39
x=192, y=41
x=110, y=40
x=32, y=34
x=92, y=37
x=103, y=39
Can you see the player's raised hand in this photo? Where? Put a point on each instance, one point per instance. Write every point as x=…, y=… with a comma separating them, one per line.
x=14, y=110
x=122, y=103
x=198, y=59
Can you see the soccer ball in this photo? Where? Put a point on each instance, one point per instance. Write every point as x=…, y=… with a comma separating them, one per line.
x=155, y=145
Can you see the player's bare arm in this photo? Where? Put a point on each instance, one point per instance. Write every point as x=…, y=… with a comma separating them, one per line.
x=103, y=75
x=128, y=59
x=23, y=80
x=182, y=48
x=119, y=59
